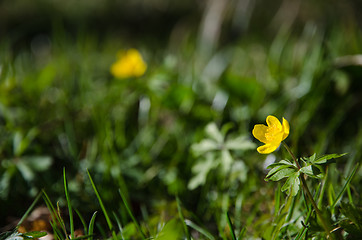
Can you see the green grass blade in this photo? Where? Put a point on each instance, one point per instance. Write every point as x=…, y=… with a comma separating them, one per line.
x=26, y=214
x=56, y=233
x=232, y=231
x=55, y=217
x=277, y=200
x=242, y=232
x=323, y=189
x=119, y=225
x=349, y=179
x=91, y=225
x=71, y=222
x=199, y=229
x=82, y=220
x=131, y=214
x=110, y=225
x=350, y=195
x=61, y=221
x=179, y=209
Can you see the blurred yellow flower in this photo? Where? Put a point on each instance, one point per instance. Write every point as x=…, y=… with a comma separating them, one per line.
x=272, y=135
x=129, y=64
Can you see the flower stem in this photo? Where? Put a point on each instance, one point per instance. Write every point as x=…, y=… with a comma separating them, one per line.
x=325, y=225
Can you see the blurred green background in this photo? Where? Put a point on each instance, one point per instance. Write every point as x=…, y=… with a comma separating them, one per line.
x=215, y=68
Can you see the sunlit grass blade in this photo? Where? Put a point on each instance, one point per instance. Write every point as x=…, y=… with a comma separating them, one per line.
x=110, y=226
x=26, y=214
x=179, y=209
x=349, y=179
x=69, y=205
x=91, y=225
x=131, y=214
x=199, y=229
x=231, y=227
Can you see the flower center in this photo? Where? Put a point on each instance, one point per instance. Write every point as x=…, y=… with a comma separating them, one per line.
x=272, y=133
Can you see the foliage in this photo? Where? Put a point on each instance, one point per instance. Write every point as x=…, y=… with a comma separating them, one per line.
x=168, y=153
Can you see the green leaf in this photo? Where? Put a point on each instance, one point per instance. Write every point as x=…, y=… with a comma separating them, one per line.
x=199, y=229
x=280, y=170
x=226, y=160
x=240, y=143
x=213, y=132
x=204, y=146
x=201, y=169
x=171, y=230
x=282, y=173
x=34, y=234
x=311, y=158
x=323, y=159
x=291, y=186
x=280, y=163
x=312, y=171
x=38, y=163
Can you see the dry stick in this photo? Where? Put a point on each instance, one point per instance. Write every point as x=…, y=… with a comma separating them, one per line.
x=306, y=189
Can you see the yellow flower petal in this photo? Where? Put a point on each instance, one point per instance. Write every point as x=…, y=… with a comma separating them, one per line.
x=129, y=64
x=259, y=132
x=286, y=128
x=272, y=135
x=273, y=122
x=267, y=148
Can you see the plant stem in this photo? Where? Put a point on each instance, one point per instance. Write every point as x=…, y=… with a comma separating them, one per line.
x=325, y=225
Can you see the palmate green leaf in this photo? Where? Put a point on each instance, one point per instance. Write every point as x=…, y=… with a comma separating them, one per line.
x=239, y=143
x=311, y=158
x=291, y=186
x=280, y=163
x=226, y=160
x=204, y=146
x=200, y=170
x=325, y=158
x=312, y=171
x=214, y=133
x=282, y=173
x=280, y=170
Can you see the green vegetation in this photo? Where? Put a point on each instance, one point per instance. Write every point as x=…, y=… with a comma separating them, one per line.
x=170, y=154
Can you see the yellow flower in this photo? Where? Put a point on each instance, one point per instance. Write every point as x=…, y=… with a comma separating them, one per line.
x=272, y=135
x=128, y=65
